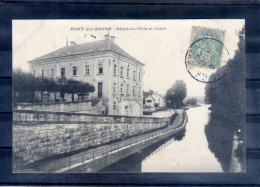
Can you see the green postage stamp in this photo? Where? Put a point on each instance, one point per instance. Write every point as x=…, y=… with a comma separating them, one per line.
x=206, y=47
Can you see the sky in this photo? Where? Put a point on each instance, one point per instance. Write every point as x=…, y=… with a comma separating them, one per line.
x=160, y=44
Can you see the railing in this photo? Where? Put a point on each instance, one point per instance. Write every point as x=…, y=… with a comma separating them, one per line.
x=91, y=155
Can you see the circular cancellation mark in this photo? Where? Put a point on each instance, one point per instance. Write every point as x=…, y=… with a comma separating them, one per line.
x=204, y=57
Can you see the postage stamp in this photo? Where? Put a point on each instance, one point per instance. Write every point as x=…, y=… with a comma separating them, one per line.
x=205, y=53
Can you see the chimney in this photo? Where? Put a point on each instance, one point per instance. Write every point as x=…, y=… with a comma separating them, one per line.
x=72, y=43
x=106, y=36
x=113, y=38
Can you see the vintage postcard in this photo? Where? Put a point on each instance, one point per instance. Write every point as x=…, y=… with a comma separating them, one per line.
x=133, y=96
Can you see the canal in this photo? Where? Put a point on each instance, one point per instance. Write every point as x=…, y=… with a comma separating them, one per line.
x=186, y=151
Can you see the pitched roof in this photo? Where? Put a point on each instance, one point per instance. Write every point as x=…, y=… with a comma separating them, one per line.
x=90, y=47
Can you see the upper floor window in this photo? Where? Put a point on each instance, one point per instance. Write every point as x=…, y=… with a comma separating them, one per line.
x=133, y=90
x=33, y=72
x=87, y=69
x=134, y=75
x=127, y=89
x=100, y=69
x=114, y=88
x=43, y=73
x=62, y=72
x=52, y=72
x=121, y=88
x=115, y=68
x=122, y=71
x=74, y=70
x=139, y=75
x=114, y=105
x=127, y=73
x=139, y=90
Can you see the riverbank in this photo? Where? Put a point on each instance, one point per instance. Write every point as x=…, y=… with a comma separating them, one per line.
x=191, y=154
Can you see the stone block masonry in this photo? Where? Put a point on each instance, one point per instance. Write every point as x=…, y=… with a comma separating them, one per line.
x=38, y=135
x=56, y=107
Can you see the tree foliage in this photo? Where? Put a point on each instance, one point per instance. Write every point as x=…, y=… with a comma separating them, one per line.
x=227, y=99
x=227, y=96
x=176, y=94
x=192, y=101
x=26, y=82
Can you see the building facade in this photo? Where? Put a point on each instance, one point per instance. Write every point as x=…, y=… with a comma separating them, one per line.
x=154, y=102
x=116, y=75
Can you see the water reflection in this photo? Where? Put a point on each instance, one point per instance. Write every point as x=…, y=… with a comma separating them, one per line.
x=224, y=143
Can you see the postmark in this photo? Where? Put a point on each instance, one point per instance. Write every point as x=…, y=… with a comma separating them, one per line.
x=206, y=54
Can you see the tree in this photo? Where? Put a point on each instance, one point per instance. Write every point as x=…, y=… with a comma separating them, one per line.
x=72, y=87
x=192, y=101
x=85, y=88
x=227, y=119
x=175, y=95
x=53, y=86
x=27, y=83
x=24, y=82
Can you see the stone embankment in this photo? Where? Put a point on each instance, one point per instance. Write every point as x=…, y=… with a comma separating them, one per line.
x=38, y=135
x=94, y=159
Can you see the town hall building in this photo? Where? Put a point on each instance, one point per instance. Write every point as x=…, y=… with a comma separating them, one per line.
x=116, y=75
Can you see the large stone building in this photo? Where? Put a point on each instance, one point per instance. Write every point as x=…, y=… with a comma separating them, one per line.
x=116, y=75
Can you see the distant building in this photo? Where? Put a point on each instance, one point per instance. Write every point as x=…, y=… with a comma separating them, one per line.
x=154, y=102
x=116, y=75
x=159, y=99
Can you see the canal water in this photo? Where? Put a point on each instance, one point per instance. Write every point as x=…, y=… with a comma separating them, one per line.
x=185, y=152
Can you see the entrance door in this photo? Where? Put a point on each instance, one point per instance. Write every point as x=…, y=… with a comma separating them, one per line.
x=137, y=110
x=100, y=89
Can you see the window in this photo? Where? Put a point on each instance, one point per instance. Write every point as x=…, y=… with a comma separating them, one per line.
x=127, y=89
x=134, y=75
x=122, y=72
x=148, y=101
x=133, y=90
x=52, y=72
x=127, y=74
x=114, y=105
x=33, y=72
x=43, y=73
x=87, y=69
x=139, y=75
x=121, y=88
x=139, y=91
x=114, y=88
x=74, y=70
x=62, y=72
x=115, y=69
x=100, y=69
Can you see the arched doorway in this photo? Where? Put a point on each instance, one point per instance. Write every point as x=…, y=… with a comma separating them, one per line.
x=137, y=109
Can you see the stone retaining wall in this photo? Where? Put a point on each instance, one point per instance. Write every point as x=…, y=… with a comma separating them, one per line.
x=41, y=134
x=57, y=107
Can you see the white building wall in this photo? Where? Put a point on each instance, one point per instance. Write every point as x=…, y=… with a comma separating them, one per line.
x=108, y=60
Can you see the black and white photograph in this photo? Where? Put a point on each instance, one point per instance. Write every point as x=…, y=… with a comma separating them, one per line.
x=128, y=96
